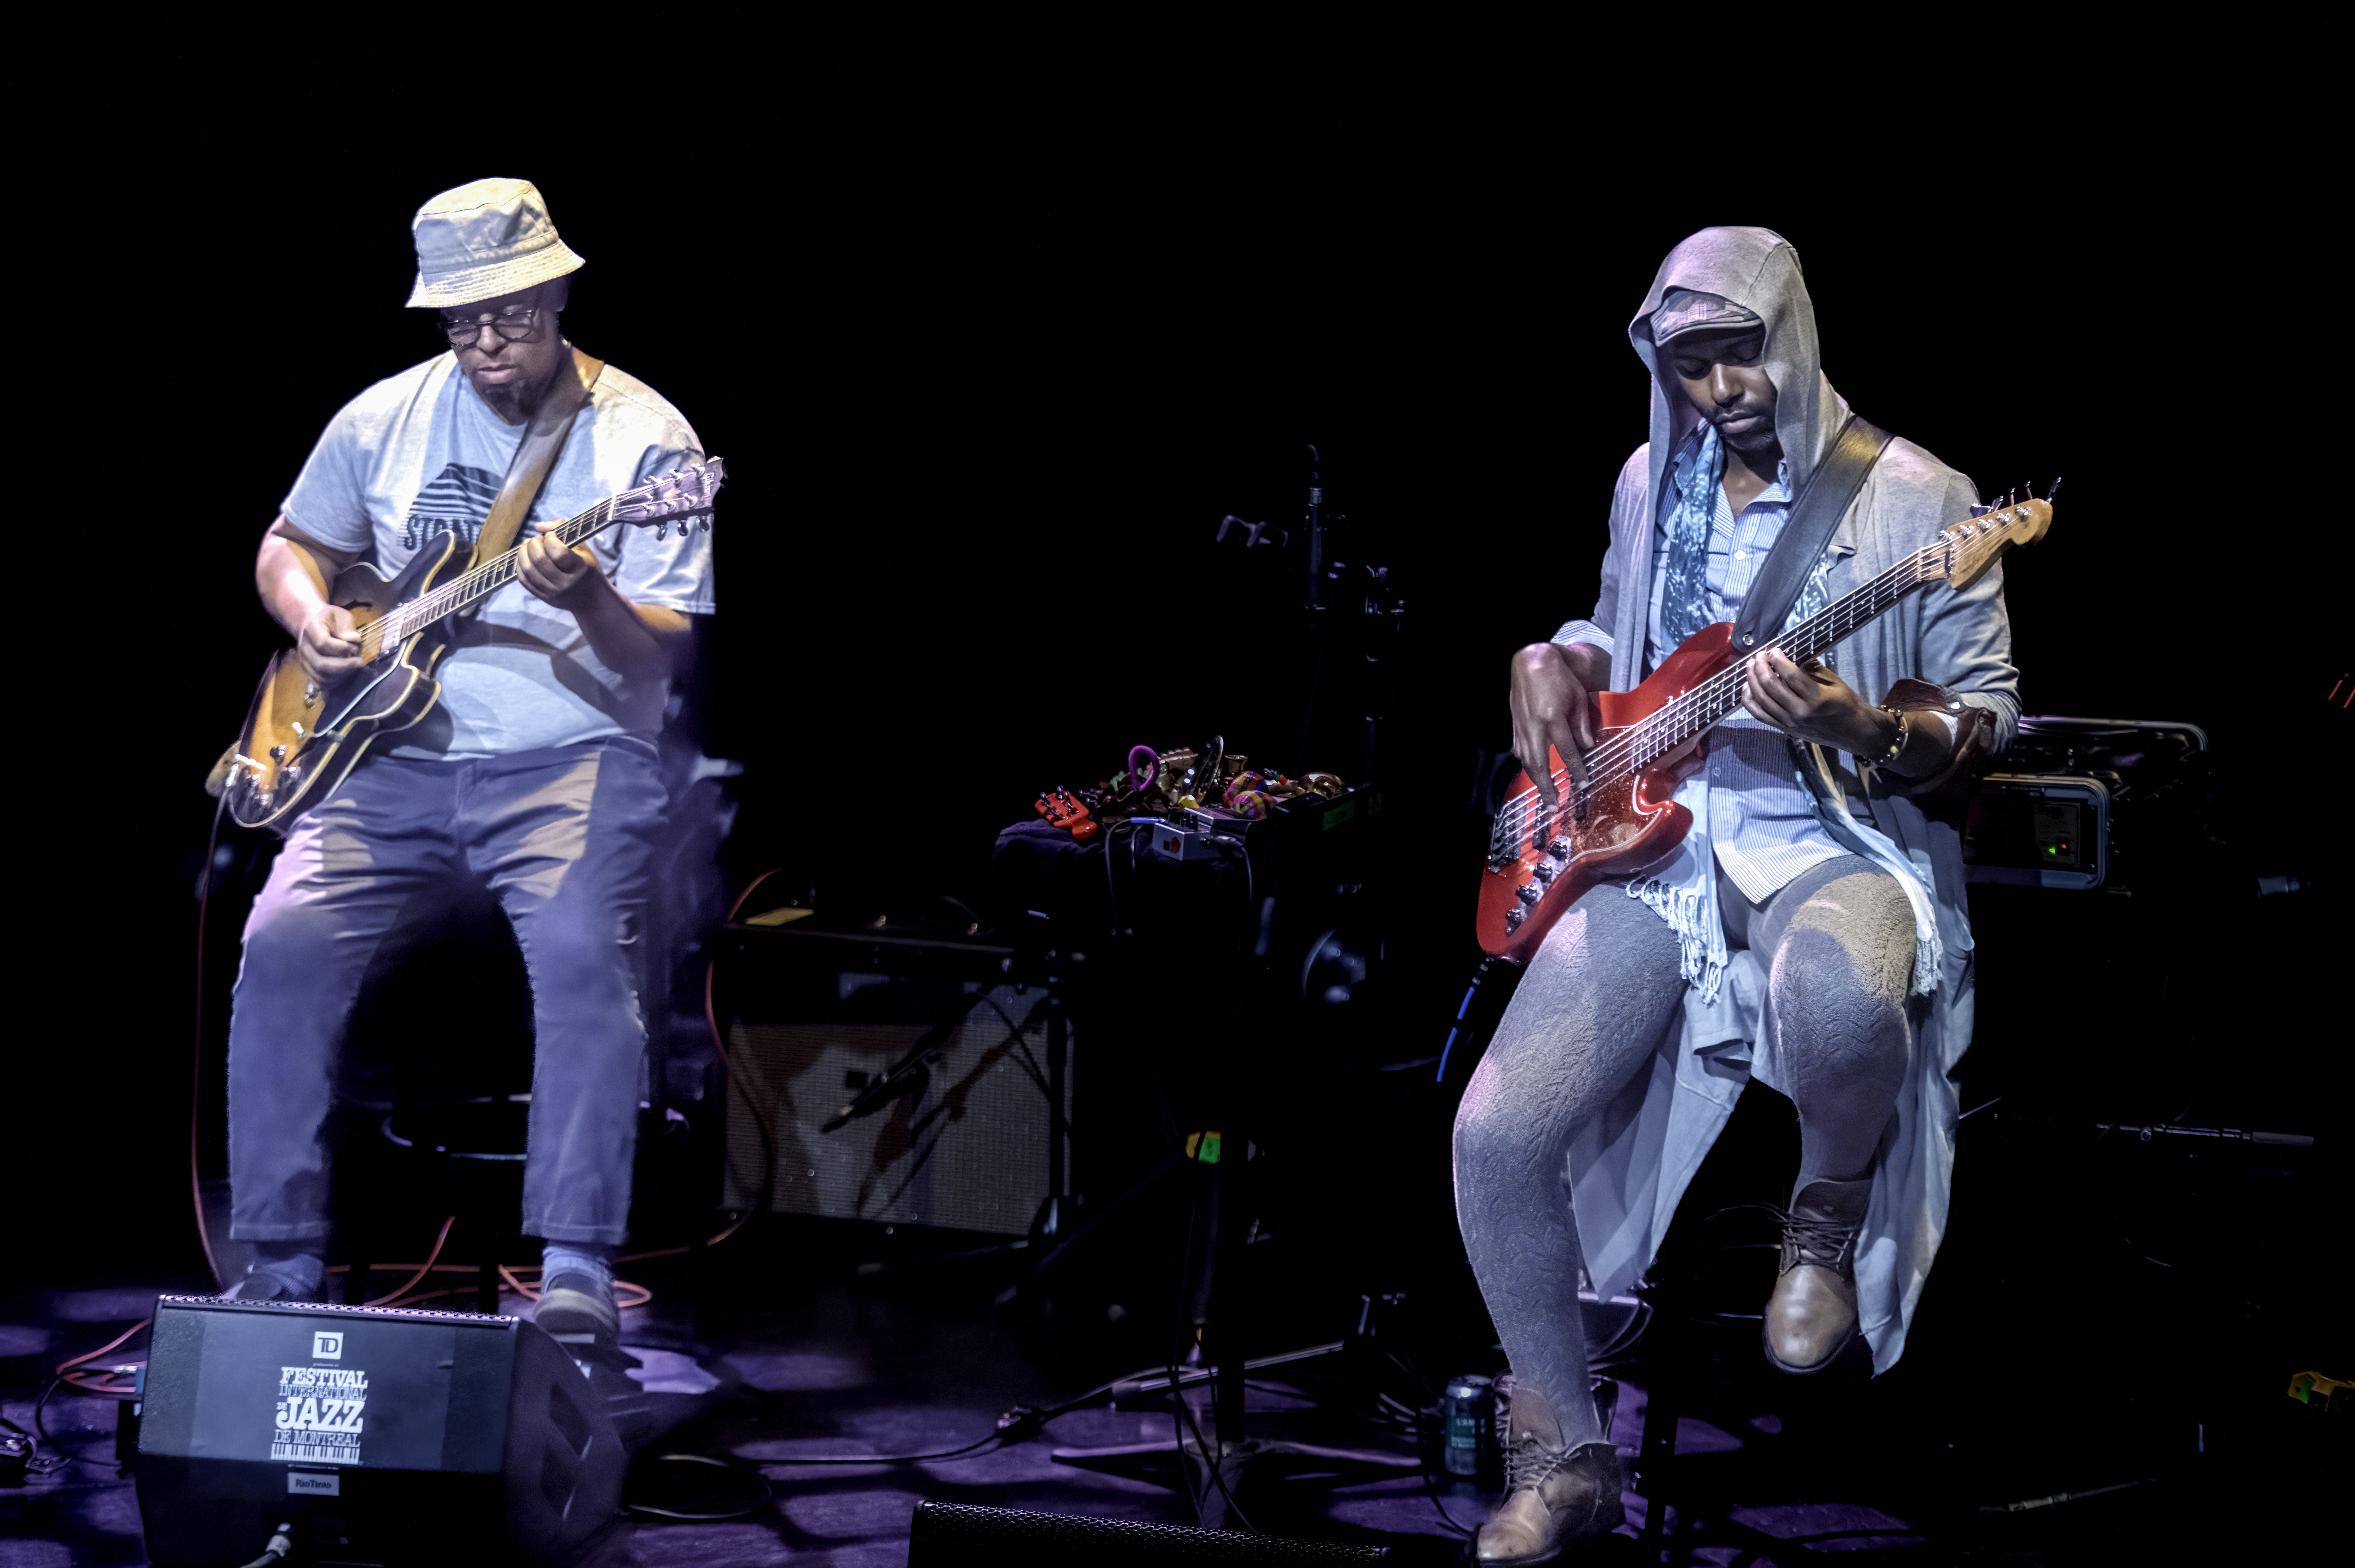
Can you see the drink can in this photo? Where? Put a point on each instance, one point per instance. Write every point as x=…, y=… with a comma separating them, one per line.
x=1468, y=1407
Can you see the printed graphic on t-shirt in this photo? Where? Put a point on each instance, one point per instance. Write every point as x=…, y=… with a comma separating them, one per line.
x=318, y=1414
x=456, y=500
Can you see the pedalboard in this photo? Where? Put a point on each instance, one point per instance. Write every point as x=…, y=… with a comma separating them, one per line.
x=1182, y=837
x=1192, y=832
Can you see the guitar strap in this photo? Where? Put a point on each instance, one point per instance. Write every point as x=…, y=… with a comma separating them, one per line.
x=528, y=471
x=1823, y=501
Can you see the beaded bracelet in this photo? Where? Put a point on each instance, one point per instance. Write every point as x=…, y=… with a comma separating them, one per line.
x=1904, y=733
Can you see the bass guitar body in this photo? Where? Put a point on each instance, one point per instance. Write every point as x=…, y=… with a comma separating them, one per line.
x=1542, y=860
x=302, y=737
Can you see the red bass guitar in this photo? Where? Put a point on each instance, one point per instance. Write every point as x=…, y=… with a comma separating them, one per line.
x=1624, y=819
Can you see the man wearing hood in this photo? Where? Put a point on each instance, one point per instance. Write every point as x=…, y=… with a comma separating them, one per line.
x=1809, y=931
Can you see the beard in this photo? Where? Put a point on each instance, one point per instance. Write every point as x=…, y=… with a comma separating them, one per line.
x=1756, y=445
x=516, y=401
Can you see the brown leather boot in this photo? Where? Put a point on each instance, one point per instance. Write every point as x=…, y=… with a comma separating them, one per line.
x=1811, y=1317
x=1555, y=1496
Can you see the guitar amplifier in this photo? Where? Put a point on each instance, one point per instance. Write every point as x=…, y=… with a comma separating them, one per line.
x=816, y=1021
x=2038, y=830
x=382, y=1434
x=2086, y=799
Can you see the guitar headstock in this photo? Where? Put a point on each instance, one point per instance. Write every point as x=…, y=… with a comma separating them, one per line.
x=1972, y=546
x=680, y=496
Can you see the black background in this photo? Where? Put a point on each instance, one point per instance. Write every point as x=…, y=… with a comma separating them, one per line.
x=983, y=410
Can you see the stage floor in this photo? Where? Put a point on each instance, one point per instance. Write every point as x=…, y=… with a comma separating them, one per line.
x=804, y=1355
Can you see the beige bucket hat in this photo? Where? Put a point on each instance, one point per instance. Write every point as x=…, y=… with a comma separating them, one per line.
x=485, y=240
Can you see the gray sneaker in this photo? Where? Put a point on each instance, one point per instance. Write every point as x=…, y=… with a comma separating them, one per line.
x=266, y=1285
x=577, y=1311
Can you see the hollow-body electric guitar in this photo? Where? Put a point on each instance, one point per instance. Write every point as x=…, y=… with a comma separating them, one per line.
x=1623, y=818
x=303, y=736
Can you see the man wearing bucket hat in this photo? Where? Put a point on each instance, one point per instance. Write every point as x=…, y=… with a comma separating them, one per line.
x=1809, y=931
x=535, y=775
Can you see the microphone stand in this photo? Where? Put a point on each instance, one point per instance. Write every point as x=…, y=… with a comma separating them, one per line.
x=1213, y=1460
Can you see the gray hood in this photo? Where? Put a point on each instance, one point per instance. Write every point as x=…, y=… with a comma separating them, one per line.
x=1758, y=270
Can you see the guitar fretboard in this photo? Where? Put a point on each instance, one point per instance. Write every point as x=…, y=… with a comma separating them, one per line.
x=1717, y=697
x=476, y=583
x=1618, y=759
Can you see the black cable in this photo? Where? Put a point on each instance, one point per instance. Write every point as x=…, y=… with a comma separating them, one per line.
x=1037, y=1072
x=205, y=876
x=40, y=1435
x=1430, y=1487
x=1169, y=1133
x=1112, y=888
x=1462, y=1010
x=278, y=1550
x=1000, y=1437
x=1177, y=1394
x=740, y=1509
x=33, y=1463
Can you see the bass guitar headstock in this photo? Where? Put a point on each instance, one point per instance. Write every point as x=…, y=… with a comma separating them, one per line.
x=683, y=496
x=1972, y=546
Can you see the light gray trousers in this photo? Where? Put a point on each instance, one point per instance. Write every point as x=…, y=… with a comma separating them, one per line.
x=564, y=838
x=1602, y=994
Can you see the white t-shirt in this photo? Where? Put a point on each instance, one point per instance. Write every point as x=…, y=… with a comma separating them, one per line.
x=421, y=454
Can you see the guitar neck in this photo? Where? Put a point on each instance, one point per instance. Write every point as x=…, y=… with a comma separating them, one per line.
x=1719, y=696
x=480, y=582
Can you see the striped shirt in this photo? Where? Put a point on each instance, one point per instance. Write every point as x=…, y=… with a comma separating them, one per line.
x=1761, y=821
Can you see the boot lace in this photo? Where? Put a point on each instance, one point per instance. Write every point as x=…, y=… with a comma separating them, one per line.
x=1825, y=1242
x=1528, y=1464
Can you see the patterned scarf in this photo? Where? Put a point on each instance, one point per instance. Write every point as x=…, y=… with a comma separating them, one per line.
x=1684, y=598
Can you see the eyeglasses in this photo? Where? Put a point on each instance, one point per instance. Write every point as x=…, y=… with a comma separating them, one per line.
x=513, y=323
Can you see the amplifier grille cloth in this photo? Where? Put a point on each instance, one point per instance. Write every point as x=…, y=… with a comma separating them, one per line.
x=968, y=1152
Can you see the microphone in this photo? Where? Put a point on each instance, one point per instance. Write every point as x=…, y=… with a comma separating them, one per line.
x=913, y=1072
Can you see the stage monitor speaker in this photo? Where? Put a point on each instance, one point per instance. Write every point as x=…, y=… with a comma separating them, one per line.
x=385, y=1435
x=951, y=1535
x=966, y=1149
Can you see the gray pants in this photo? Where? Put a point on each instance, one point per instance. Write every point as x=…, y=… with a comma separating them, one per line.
x=1601, y=997
x=563, y=838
